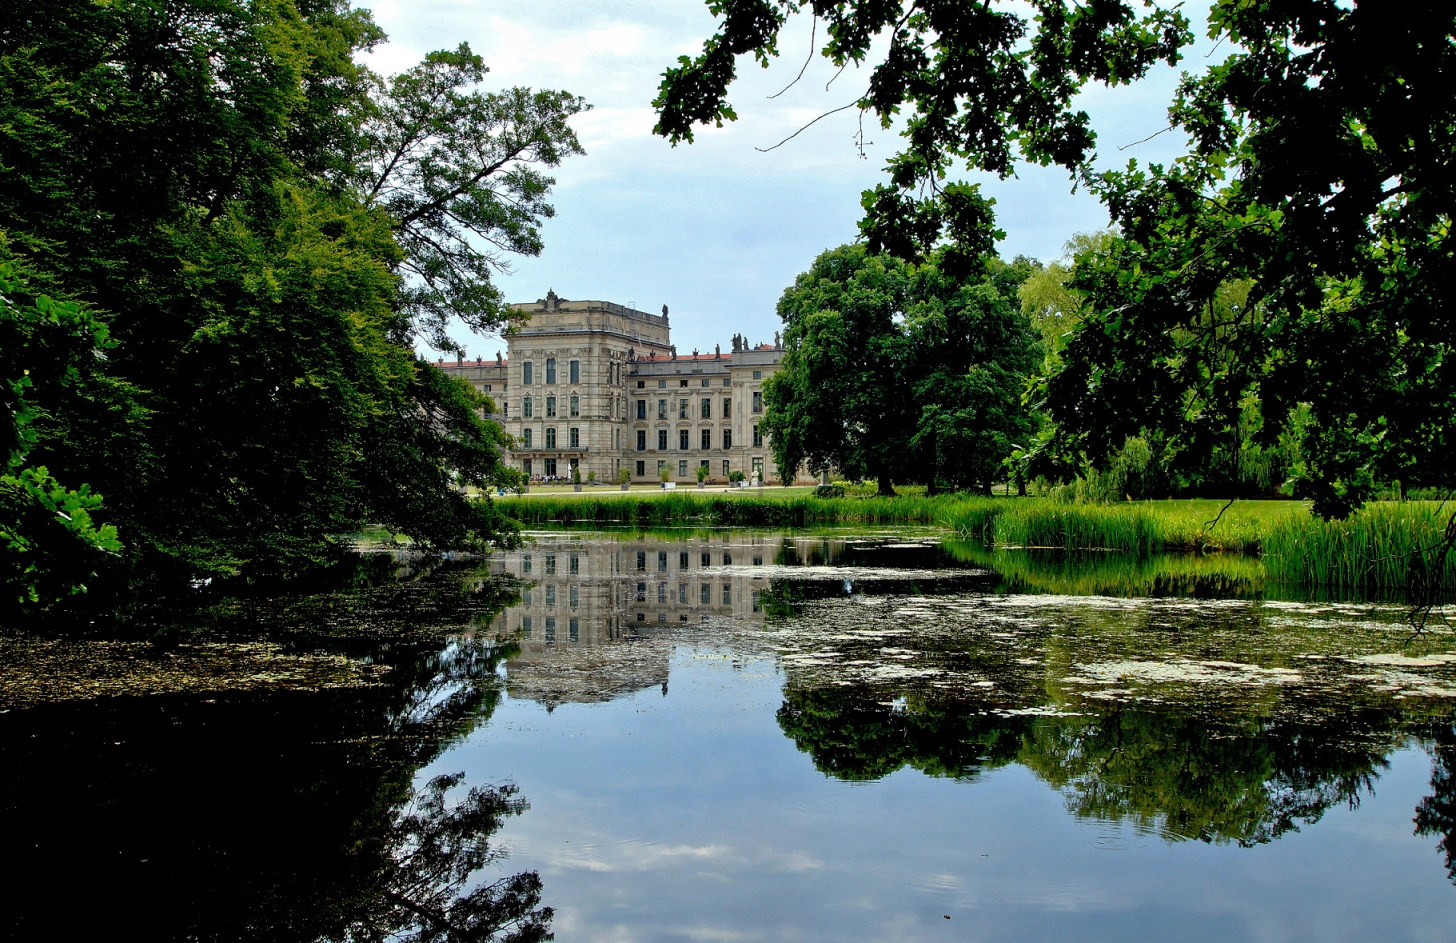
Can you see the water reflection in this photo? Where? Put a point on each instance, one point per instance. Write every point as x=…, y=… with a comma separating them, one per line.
x=1225, y=721
x=287, y=814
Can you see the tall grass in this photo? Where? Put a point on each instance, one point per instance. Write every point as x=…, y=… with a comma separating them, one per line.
x=799, y=511
x=1142, y=528
x=1379, y=546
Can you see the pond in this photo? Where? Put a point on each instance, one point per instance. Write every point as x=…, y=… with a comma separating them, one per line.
x=725, y=735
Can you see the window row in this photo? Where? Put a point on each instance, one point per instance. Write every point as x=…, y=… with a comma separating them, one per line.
x=684, y=439
x=573, y=405
x=662, y=384
x=528, y=371
x=573, y=438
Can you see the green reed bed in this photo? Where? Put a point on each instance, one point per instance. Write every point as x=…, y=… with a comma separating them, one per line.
x=1204, y=576
x=750, y=511
x=1142, y=528
x=1379, y=546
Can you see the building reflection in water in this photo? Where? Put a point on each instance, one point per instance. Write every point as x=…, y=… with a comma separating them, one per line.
x=594, y=615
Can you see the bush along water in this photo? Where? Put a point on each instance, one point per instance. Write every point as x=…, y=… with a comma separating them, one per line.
x=1383, y=545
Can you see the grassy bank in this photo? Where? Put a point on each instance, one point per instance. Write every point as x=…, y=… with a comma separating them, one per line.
x=746, y=510
x=1378, y=546
x=1374, y=549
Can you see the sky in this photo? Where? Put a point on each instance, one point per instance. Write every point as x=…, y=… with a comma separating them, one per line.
x=716, y=230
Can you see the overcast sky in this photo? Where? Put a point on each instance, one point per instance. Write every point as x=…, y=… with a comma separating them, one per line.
x=717, y=230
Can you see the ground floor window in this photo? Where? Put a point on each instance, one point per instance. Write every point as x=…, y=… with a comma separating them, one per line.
x=757, y=468
x=682, y=469
x=660, y=466
x=550, y=464
x=641, y=469
x=705, y=464
x=526, y=466
x=725, y=468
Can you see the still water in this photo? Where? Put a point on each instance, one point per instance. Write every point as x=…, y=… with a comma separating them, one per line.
x=736, y=736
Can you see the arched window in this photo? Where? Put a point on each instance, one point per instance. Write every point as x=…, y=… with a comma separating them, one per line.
x=551, y=438
x=575, y=435
x=550, y=406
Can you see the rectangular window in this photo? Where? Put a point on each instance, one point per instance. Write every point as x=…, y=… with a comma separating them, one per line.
x=707, y=439
x=575, y=563
x=682, y=469
x=551, y=564
x=661, y=597
x=707, y=409
x=758, y=469
x=727, y=408
x=525, y=563
x=641, y=443
x=682, y=409
x=526, y=441
x=662, y=561
x=662, y=440
x=727, y=594
x=661, y=464
x=527, y=369
x=662, y=409
x=551, y=371
x=526, y=465
x=550, y=407
x=682, y=594
x=682, y=382
x=641, y=384
x=550, y=631
x=526, y=408
x=758, y=374
x=551, y=437
x=575, y=406
x=682, y=560
x=575, y=626
x=575, y=434
x=642, y=409
x=727, y=558
x=705, y=559
x=641, y=562
x=727, y=444
x=526, y=626
x=662, y=384
x=641, y=469
x=705, y=594
x=757, y=401
x=551, y=594
x=550, y=467
x=757, y=438
x=727, y=381
x=573, y=596
x=576, y=371
x=682, y=440
x=705, y=381
x=725, y=468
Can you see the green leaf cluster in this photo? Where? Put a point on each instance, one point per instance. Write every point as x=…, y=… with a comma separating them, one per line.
x=902, y=372
x=248, y=230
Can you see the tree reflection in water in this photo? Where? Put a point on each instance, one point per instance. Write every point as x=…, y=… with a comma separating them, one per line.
x=288, y=815
x=1214, y=777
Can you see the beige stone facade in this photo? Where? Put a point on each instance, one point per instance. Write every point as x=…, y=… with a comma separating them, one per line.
x=598, y=386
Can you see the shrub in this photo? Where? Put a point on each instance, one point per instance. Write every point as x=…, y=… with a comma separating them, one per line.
x=829, y=491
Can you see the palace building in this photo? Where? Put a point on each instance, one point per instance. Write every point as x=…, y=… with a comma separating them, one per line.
x=599, y=387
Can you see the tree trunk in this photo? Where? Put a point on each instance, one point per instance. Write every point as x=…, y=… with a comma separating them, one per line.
x=884, y=487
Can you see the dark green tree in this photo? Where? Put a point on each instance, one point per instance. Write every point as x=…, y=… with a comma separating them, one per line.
x=263, y=228
x=896, y=371
x=1318, y=171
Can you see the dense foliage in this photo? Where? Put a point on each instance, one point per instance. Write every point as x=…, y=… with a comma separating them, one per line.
x=1298, y=259
x=901, y=372
x=244, y=231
